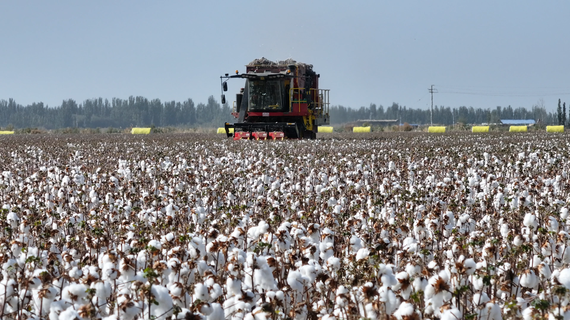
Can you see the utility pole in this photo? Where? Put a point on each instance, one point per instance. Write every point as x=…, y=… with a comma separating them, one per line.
x=432, y=91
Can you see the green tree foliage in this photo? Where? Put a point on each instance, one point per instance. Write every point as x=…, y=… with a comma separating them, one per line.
x=559, y=113
x=441, y=115
x=117, y=113
x=564, y=114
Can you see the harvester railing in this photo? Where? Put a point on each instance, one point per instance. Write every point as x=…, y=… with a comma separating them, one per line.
x=322, y=105
x=296, y=96
x=320, y=98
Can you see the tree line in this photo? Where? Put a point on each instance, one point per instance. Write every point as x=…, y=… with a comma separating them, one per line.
x=142, y=112
x=116, y=113
x=444, y=115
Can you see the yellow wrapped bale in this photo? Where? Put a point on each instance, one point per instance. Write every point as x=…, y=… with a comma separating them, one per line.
x=361, y=129
x=223, y=130
x=325, y=129
x=6, y=132
x=140, y=130
x=480, y=129
x=518, y=129
x=554, y=128
x=433, y=129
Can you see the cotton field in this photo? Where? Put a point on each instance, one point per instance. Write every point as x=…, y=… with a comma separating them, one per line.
x=402, y=226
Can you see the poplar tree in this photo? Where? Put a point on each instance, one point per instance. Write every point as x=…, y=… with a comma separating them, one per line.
x=564, y=114
x=559, y=113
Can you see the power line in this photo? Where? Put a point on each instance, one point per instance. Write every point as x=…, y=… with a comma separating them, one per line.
x=498, y=92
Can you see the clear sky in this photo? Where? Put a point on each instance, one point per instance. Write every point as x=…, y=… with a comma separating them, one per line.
x=476, y=53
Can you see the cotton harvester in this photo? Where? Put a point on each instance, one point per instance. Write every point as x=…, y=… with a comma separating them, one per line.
x=279, y=100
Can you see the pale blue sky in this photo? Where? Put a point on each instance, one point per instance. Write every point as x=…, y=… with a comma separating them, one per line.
x=499, y=52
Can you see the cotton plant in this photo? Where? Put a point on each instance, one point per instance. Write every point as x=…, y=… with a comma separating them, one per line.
x=218, y=230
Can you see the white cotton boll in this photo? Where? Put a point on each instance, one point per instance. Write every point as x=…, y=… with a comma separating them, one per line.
x=167, y=238
x=13, y=219
x=234, y=307
x=528, y=279
x=413, y=269
x=56, y=308
x=337, y=209
x=405, y=309
x=504, y=230
x=203, y=266
x=477, y=282
x=370, y=312
x=388, y=280
x=326, y=250
x=362, y=254
x=333, y=263
x=480, y=298
x=187, y=314
x=432, y=265
x=217, y=312
x=69, y=314
x=470, y=266
x=544, y=270
x=530, y=221
x=91, y=271
x=355, y=244
x=102, y=292
x=263, y=275
x=309, y=273
x=131, y=310
x=155, y=244
x=206, y=309
x=536, y=260
x=201, y=292
x=451, y=314
x=341, y=297
x=553, y=224
x=176, y=289
x=419, y=284
x=410, y=244
x=75, y=273
x=270, y=295
x=141, y=257
x=529, y=313
x=564, y=278
x=518, y=241
x=295, y=281
x=233, y=286
x=389, y=298
x=216, y=292
x=491, y=311
x=164, y=303
x=74, y=292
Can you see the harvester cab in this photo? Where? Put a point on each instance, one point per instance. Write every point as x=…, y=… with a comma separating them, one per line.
x=279, y=100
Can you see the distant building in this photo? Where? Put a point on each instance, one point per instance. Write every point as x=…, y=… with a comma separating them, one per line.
x=378, y=123
x=518, y=122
